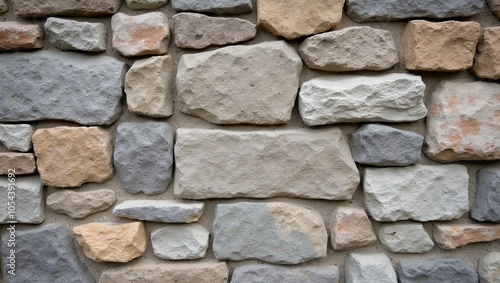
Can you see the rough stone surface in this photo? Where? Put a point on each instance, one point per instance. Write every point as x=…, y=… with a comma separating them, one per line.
x=3, y=6
x=16, y=137
x=255, y=273
x=112, y=242
x=489, y=268
x=214, y=6
x=296, y=18
x=145, y=34
x=487, y=59
x=79, y=205
x=240, y=84
x=29, y=200
x=41, y=8
x=368, y=268
x=461, y=120
x=148, y=85
x=405, y=238
x=146, y=4
x=44, y=254
x=416, y=192
x=494, y=6
x=15, y=36
x=168, y=211
x=144, y=156
x=350, y=49
x=387, y=98
x=198, y=31
x=449, y=269
x=274, y=232
x=452, y=236
x=176, y=242
x=380, y=145
x=75, y=35
x=443, y=46
x=486, y=205
x=351, y=228
x=264, y=164
x=79, y=88
x=23, y=163
x=71, y=156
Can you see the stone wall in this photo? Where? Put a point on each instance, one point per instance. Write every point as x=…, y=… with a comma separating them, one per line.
x=250, y=141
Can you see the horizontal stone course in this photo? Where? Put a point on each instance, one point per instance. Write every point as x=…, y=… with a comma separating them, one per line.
x=255, y=273
x=452, y=236
x=168, y=211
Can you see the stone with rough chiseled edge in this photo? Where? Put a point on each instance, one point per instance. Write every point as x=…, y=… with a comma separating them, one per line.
x=494, y=7
x=43, y=8
x=369, y=268
x=79, y=205
x=23, y=163
x=16, y=36
x=168, y=211
x=405, y=238
x=29, y=199
x=448, y=269
x=489, y=268
x=350, y=228
x=180, y=241
x=486, y=205
x=258, y=273
x=487, y=59
x=76, y=35
x=452, y=236
x=214, y=6
x=16, y=137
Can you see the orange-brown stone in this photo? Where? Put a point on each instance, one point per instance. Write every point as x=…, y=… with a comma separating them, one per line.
x=487, y=60
x=23, y=163
x=15, y=36
x=452, y=236
x=351, y=228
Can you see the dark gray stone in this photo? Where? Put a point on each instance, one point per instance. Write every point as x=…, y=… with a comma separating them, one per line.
x=257, y=273
x=48, y=85
x=381, y=145
x=486, y=205
x=437, y=270
x=144, y=156
x=214, y=6
x=494, y=7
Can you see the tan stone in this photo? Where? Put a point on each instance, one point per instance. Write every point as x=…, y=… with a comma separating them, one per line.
x=15, y=36
x=487, y=60
x=452, y=236
x=36, y=8
x=296, y=18
x=351, y=228
x=440, y=46
x=71, y=156
x=112, y=242
x=79, y=205
x=23, y=163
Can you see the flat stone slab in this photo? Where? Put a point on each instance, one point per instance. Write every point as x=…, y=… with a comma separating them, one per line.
x=79, y=205
x=487, y=59
x=368, y=268
x=301, y=163
x=146, y=4
x=22, y=163
x=452, y=236
x=180, y=241
x=168, y=211
x=43, y=8
x=75, y=35
x=217, y=6
x=405, y=238
x=257, y=273
x=16, y=137
x=28, y=200
x=489, y=267
x=486, y=205
x=17, y=36
x=448, y=269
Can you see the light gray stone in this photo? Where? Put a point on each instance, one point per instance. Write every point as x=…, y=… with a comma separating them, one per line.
x=274, y=232
x=416, y=192
x=43, y=8
x=79, y=205
x=75, y=35
x=146, y=4
x=3, y=6
x=257, y=273
x=494, y=7
x=180, y=241
x=16, y=137
x=486, y=205
x=368, y=268
x=214, y=6
x=28, y=202
x=489, y=268
x=380, y=98
x=264, y=164
x=448, y=269
x=168, y=211
x=405, y=238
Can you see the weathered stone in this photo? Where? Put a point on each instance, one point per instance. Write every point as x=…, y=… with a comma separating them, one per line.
x=145, y=34
x=461, y=120
x=379, y=98
x=350, y=228
x=256, y=273
x=449, y=269
x=198, y=31
x=15, y=36
x=44, y=254
x=146, y=4
x=296, y=18
x=240, y=84
x=41, y=8
x=79, y=88
x=405, y=238
x=367, y=268
x=494, y=7
x=274, y=232
x=264, y=164
x=486, y=205
x=452, y=236
x=214, y=6
x=180, y=241
x=489, y=268
x=29, y=200
x=148, y=85
x=443, y=46
x=22, y=163
x=75, y=35
x=71, y=156
x=112, y=242
x=416, y=192
x=350, y=49
x=168, y=211
x=144, y=156
x=3, y=6
x=487, y=59
x=16, y=137
x=79, y=205
x=380, y=145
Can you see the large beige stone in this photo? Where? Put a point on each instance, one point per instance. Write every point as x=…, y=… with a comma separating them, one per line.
x=351, y=228
x=41, y=8
x=487, y=60
x=440, y=46
x=22, y=163
x=452, y=236
x=296, y=18
x=15, y=36
x=71, y=156
x=79, y=205
x=112, y=242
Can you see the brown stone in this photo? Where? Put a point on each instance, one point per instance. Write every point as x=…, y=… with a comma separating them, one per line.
x=35, y=8
x=452, y=236
x=71, y=156
x=23, y=163
x=494, y=7
x=440, y=46
x=351, y=228
x=79, y=205
x=487, y=60
x=112, y=242
x=14, y=36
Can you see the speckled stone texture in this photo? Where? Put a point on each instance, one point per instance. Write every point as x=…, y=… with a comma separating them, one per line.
x=489, y=268
x=28, y=200
x=487, y=59
x=405, y=238
x=450, y=269
x=79, y=205
x=368, y=268
x=76, y=35
x=23, y=163
x=168, y=211
x=486, y=205
x=257, y=273
x=214, y=6
x=16, y=137
x=18, y=36
x=41, y=8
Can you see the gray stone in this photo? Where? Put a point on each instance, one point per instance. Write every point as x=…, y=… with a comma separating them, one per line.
x=368, y=268
x=75, y=35
x=274, y=232
x=198, y=31
x=168, y=211
x=379, y=98
x=3, y=6
x=146, y=4
x=16, y=137
x=79, y=88
x=489, y=268
x=44, y=254
x=494, y=7
x=416, y=192
x=405, y=238
x=264, y=164
x=28, y=206
x=240, y=84
x=486, y=205
x=87, y=8
x=381, y=145
x=257, y=273
x=214, y=6
x=393, y=10
x=436, y=270
x=180, y=241
x=143, y=156
x=350, y=49
x=79, y=205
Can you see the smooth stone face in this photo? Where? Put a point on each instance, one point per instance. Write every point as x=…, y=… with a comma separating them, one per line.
x=494, y=6
x=244, y=77
x=177, y=242
x=146, y=4
x=168, y=211
x=15, y=36
x=16, y=137
x=29, y=200
x=487, y=60
x=489, y=268
x=79, y=205
x=351, y=228
x=75, y=35
x=452, y=236
x=274, y=232
x=436, y=270
x=350, y=49
x=378, y=98
x=257, y=273
x=486, y=205
x=214, y=6
x=144, y=156
x=23, y=163
x=264, y=164
x=368, y=268
x=405, y=238
x=79, y=88
x=43, y=8
x=416, y=192
x=3, y=6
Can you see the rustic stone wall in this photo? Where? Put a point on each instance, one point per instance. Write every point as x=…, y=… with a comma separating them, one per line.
x=250, y=141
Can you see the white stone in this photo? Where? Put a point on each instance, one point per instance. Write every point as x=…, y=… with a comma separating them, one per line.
x=75, y=35
x=16, y=137
x=405, y=238
x=489, y=268
x=180, y=241
x=29, y=200
x=369, y=268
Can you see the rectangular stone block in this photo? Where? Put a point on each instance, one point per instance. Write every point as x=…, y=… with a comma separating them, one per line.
x=41, y=8
x=23, y=163
x=15, y=36
x=452, y=236
x=21, y=199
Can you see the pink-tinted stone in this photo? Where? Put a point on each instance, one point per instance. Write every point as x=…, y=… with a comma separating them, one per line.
x=14, y=36
x=487, y=60
x=351, y=228
x=23, y=163
x=453, y=236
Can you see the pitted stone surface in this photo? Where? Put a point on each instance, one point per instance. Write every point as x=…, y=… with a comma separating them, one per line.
x=23, y=163
x=15, y=36
x=489, y=268
x=75, y=35
x=257, y=273
x=405, y=238
x=29, y=200
x=452, y=236
x=494, y=7
x=16, y=137
x=79, y=205
x=351, y=228
x=43, y=8
x=214, y=6
x=486, y=205
x=436, y=270
x=168, y=211
x=368, y=268
x=180, y=241
x=146, y=4
x=264, y=164
x=487, y=59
